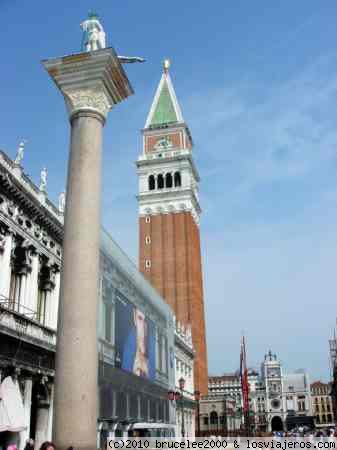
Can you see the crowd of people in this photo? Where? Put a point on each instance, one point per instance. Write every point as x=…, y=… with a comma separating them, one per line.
x=307, y=432
x=30, y=446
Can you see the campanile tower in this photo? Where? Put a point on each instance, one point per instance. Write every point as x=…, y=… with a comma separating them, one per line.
x=169, y=212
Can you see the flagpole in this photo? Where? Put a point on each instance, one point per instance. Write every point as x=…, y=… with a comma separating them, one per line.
x=244, y=386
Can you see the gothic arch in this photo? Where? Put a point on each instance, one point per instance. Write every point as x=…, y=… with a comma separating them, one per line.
x=168, y=180
x=152, y=183
x=160, y=181
x=276, y=424
x=177, y=179
x=214, y=419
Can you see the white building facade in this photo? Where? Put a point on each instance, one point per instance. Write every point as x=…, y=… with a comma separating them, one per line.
x=184, y=366
x=287, y=398
x=277, y=400
x=31, y=230
x=226, y=390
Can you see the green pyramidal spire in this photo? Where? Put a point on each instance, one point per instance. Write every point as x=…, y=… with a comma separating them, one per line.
x=165, y=108
x=164, y=112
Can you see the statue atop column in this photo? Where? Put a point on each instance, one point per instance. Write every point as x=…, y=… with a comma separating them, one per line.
x=20, y=152
x=62, y=202
x=94, y=38
x=93, y=33
x=43, y=179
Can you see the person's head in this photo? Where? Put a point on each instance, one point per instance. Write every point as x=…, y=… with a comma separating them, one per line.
x=47, y=445
x=29, y=444
x=12, y=447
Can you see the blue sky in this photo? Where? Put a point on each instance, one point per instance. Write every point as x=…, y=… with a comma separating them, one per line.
x=257, y=83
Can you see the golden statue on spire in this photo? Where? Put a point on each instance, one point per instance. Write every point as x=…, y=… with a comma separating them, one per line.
x=166, y=65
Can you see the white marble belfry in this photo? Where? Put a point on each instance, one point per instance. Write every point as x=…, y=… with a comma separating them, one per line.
x=91, y=83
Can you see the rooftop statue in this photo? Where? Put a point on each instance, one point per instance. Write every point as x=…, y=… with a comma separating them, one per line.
x=20, y=153
x=62, y=202
x=93, y=33
x=43, y=179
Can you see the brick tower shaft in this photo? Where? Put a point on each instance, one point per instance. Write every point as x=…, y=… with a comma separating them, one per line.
x=169, y=236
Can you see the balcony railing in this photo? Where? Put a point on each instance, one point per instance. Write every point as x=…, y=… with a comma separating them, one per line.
x=8, y=304
x=22, y=322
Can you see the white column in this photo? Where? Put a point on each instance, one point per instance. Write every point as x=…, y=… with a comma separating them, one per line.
x=193, y=420
x=51, y=413
x=47, y=313
x=42, y=421
x=27, y=403
x=54, y=302
x=91, y=84
x=5, y=264
x=21, y=299
x=32, y=287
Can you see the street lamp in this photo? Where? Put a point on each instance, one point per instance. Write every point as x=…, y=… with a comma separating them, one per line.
x=181, y=387
x=197, y=398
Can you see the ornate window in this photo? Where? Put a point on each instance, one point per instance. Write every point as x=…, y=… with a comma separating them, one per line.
x=147, y=263
x=152, y=183
x=15, y=290
x=147, y=219
x=21, y=265
x=147, y=240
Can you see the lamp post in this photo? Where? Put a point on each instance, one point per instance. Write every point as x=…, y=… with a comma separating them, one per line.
x=181, y=387
x=197, y=398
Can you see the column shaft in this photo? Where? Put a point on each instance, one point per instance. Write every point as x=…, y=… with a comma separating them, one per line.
x=41, y=431
x=5, y=272
x=22, y=296
x=32, y=293
x=55, y=302
x=27, y=403
x=76, y=357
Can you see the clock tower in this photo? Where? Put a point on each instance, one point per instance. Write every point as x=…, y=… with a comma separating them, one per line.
x=169, y=213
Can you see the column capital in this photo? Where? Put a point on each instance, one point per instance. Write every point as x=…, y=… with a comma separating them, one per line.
x=91, y=81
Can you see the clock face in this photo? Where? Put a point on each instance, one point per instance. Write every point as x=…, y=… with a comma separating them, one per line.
x=275, y=404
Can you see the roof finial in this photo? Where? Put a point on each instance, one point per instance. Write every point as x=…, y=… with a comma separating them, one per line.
x=166, y=65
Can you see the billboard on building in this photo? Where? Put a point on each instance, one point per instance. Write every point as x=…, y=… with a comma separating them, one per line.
x=135, y=340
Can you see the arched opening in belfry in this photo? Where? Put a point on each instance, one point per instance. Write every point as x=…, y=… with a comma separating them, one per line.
x=168, y=180
x=214, y=420
x=177, y=179
x=160, y=181
x=276, y=424
x=152, y=183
